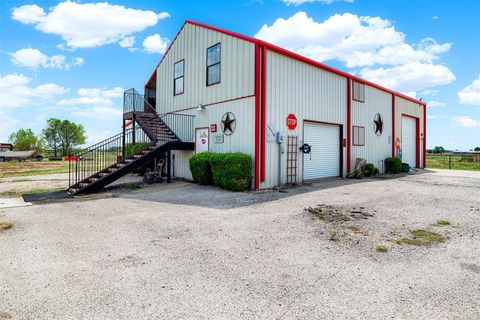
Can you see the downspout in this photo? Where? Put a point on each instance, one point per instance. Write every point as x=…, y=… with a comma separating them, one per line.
x=263, y=117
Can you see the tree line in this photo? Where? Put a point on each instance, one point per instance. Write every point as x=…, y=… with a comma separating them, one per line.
x=60, y=136
x=442, y=150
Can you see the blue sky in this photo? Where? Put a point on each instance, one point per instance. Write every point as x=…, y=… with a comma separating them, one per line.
x=72, y=60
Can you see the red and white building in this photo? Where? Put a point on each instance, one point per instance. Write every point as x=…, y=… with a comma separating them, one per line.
x=272, y=93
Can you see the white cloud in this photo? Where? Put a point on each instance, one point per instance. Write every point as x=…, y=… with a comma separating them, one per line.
x=466, y=121
x=100, y=98
x=299, y=2
x=432, y=116
x=435, y=17
x=78, y=61
x=363, y=41
x=28, y=14
x=430, y=92
x=356, y=40
x=87, y=25
x=409, y=77
x=412, y=94
x=471, y=93
x=34, y=58
x=127, y=42
x=15, y=91
x=433, y=103
x=155, y=44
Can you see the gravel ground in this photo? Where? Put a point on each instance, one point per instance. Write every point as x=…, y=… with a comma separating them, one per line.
x=137, y=256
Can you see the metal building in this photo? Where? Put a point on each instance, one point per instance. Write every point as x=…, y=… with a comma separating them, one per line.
x=220, y=91
x=275, y=94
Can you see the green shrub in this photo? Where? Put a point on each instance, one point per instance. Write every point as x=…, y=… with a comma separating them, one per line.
x=201, y=168
x=369, y=170
x=231, y=171
x=393, y=164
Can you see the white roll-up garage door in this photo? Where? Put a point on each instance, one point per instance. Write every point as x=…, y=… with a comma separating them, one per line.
x=409, y=140
x=324, y=159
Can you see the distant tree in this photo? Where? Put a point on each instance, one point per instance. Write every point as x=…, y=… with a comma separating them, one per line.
x=51, y=134
x=439, y=149
x=477, y=149
x=24, y=140
x=63, y=135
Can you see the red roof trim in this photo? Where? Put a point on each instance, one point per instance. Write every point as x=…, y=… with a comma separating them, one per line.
x=288, y=53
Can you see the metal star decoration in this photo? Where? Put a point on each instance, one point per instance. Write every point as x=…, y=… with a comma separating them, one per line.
x=378, y=124
x=228, y=121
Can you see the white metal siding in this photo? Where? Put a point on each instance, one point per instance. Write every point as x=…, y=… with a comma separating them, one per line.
x=404, y=106
x=237, y=69
x=376, y=148
x=409, y=133
x=242, y=140
x=324, y=159
x=311, y=94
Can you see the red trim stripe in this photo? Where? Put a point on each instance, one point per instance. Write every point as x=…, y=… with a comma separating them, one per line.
x=257, y=117
x=417, y=138
x=393, y=125
x=424, y=136
x=349, y=124
x=263, y=117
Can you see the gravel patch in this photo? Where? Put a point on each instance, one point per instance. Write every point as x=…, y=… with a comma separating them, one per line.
x=135, y=256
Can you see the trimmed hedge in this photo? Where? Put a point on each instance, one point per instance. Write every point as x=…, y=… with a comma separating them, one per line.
x=369, y=170
x=201, y=168
x=230, y=171
x=393, y=164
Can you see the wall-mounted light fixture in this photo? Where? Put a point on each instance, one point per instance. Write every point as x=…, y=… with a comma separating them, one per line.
x=200, y=107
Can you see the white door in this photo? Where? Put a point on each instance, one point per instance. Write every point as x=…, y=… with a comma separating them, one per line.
x=201, y=140
x=324, y=159
x=409, y=141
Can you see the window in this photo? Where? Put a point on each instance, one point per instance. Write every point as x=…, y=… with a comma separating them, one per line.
x=178, y=71
x=358, y=136
x=213, y=64
x=358, y=91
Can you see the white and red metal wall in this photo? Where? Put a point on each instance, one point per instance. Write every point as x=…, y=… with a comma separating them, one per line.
x=279, y=83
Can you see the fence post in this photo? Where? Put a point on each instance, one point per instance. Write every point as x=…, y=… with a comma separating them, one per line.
x=449, y=161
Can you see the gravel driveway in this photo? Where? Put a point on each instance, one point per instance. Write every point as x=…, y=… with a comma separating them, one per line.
x=142, y=255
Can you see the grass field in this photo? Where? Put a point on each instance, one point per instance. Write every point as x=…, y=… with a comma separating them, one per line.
x=27, y=168
x=457, y=162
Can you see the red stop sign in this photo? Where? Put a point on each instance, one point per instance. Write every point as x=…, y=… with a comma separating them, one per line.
x=291, y=121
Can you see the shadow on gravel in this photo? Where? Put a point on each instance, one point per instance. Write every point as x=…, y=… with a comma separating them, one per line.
x=185, y=193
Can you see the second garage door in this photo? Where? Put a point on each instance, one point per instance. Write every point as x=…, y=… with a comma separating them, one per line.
x=324, y=159
x=409, y=141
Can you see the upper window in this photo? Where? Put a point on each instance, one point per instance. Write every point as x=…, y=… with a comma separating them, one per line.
x=213, y=64
x=358, y=91
x=358, y=136
x=178, y=71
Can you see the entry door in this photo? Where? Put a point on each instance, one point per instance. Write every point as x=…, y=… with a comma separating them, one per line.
x=201, y=140
x=409, y=141
x=324, y=159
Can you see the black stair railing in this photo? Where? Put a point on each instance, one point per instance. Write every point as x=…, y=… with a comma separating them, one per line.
x=180, y=124
x=102, y=155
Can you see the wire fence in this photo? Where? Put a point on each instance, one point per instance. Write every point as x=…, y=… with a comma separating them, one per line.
x=454, y=161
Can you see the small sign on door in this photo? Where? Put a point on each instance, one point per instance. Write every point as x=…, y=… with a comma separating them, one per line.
x=201, y=140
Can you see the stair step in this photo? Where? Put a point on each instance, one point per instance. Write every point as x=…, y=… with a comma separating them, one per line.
x=112, y=169
x=84, y=184
x=103, y=174
x=129, y=160
x=136, y=156
x=121, y=165
x=92, y=180
x=73, y=190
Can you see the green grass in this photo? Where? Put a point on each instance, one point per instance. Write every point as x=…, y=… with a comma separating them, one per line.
x=18, y=193
x=28, y=168
x=442, y=222
x=458, y=163
x=334, y=236
x=381, y=248
x=421, y=237
x=6, y=225
x=133, y=186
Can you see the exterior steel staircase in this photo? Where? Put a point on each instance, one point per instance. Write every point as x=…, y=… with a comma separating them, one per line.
x=149, y=137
